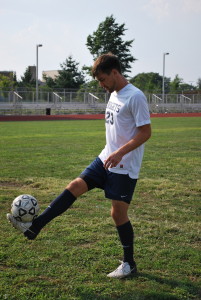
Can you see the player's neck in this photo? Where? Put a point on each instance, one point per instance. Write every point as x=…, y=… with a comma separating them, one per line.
x=121, y=83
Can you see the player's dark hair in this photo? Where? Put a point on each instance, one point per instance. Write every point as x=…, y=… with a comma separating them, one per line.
x=105, y=63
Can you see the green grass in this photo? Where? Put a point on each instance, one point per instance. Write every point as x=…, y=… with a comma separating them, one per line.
x=72, y=255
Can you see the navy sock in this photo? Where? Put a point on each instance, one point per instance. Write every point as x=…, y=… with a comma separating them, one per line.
x=56, y=208
x=126, y=236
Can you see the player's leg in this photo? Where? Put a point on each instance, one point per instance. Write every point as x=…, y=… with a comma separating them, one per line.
x=58, y=206
x=90, y=178
x=76, y=188
x=119, y=213
x=122, y=188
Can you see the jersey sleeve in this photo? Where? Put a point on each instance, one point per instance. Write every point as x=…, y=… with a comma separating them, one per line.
x=139, y=108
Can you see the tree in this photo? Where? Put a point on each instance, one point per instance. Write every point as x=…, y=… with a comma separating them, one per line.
x=148, y=82
x=199, y=83
x=69, y=76
x=108, y=38
x=6, y=83
x=92, y=86
x=186, y=87
x=175, y=85
x=27, y=78
x=50, y=82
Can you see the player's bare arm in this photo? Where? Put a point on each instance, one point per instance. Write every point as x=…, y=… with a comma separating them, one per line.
x=144, y=133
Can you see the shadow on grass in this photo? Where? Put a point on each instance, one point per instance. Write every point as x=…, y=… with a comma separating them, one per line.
x=192, y=291
x=182, y=290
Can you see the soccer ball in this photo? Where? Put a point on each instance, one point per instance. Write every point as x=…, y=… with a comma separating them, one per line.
x=25, y=208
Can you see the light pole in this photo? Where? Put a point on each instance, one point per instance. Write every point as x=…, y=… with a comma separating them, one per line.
x=38, y=45
x=163, y=88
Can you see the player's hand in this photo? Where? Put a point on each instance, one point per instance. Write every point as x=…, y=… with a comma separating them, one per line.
x=113, y=160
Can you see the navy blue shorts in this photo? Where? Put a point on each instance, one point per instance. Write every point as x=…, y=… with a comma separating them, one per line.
x=116, y=186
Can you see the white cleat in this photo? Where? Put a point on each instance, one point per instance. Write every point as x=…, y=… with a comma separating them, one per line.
x=18, y=225
x=122, y=271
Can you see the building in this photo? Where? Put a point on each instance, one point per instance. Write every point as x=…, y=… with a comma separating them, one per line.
x=52, y=74
x=9, y=74
x=32, y=70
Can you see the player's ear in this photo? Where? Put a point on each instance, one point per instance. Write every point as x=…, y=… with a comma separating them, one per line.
x=114, y=72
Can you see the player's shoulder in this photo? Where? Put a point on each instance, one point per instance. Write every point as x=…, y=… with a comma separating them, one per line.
x=129, y=93
x=134, y=88
x=135, y=91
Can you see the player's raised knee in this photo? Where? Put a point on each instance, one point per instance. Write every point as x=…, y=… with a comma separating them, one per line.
x=77, y=187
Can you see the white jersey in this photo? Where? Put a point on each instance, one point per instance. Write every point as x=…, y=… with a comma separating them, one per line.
x=125, y=112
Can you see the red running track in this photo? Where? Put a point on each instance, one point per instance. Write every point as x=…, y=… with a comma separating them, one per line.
x=85, y=117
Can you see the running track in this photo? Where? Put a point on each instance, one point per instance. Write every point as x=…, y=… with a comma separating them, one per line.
x=85, y=117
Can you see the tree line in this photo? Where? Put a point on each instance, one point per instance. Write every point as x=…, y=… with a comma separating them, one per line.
x=107, y=38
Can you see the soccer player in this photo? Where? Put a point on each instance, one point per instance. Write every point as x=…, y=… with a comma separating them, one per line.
x=117, y=167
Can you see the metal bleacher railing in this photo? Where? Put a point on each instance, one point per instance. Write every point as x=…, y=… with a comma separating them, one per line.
x=175, y=103
x=23, y=102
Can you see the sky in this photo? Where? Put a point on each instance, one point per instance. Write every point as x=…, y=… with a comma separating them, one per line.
x=62, y=27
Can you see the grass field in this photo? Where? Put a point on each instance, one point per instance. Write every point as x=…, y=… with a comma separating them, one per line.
x=72, y=255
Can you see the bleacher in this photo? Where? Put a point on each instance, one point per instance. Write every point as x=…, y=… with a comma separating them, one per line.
x=23, y=103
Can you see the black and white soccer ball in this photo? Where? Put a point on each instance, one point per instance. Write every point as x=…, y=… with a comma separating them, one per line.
x=25, y=208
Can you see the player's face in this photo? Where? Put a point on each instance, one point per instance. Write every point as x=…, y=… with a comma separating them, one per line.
x=108, y=82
